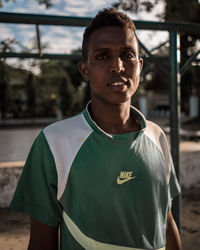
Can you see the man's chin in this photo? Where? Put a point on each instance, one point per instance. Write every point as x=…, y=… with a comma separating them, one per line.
x=121, y=101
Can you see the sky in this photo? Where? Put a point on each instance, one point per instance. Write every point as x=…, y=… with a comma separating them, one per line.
x=59, y=39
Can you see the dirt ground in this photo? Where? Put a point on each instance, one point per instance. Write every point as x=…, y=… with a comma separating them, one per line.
x=14, y=226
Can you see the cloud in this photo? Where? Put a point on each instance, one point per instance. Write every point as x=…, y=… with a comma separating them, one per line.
x=6, y=31
x=86, y=8
x=152, y=39
x=20, y=32
x=62, y=39
x=20, y=6
x=60, y=7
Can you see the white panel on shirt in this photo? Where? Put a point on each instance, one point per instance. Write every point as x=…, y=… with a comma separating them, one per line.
x=65, y=139
x=157, y=136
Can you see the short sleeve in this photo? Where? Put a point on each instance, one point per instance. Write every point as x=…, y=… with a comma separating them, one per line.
x=174, y=187
x=36, y=191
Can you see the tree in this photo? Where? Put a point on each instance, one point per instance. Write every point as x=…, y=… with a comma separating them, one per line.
x=137, y=5
x=5, y=46
x=61, y=79
x=30, y=94
x=77, y=81
x=65, y=91
x=4, y=89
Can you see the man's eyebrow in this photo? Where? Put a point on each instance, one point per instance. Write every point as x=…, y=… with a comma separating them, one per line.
x=128, y=48
x=100, y=50
x=108, y=49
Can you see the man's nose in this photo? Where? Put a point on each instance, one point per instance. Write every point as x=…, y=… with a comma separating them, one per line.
x=117, y=65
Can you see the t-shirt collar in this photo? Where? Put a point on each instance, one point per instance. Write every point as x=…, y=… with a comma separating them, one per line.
x=117, y=137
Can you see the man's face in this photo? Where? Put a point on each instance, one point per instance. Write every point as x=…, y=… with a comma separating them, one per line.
x=113, y=65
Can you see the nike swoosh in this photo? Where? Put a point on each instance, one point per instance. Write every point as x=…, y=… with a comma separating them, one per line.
x=121, y=181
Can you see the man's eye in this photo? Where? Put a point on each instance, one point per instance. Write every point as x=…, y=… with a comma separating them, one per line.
x=102, y=57
x=128, y=55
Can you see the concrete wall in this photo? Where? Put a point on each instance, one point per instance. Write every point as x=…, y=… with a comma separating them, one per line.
x=190, y=169
x=9, y=176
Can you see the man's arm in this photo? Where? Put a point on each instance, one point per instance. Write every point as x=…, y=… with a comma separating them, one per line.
x=42, y=237
x=172, y=234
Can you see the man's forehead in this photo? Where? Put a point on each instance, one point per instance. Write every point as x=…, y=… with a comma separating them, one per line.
x=114, y=30
x=112, y=36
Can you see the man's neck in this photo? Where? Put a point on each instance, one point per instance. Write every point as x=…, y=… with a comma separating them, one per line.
x=113, y=119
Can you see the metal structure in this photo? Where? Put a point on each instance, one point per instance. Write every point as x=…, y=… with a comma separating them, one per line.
x=174, y=28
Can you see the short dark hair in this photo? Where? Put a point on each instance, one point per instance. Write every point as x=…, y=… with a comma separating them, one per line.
x=105, y=17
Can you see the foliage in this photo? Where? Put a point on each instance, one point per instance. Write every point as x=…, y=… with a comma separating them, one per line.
x=4, y=90
x=47, y=3
x=7, y=45
x=137, y=5
x=182, y=10
x=17, y=105
x=30, y=94
x=62, y=80
x=59, y=86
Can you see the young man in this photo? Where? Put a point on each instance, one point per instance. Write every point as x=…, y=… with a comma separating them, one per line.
x=104, y=177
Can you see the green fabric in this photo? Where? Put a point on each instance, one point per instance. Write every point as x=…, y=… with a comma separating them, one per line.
x=37, y=188
x=93, y=198
x=131, y=214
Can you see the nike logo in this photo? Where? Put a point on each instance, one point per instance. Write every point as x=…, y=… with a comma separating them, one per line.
x=124, y=177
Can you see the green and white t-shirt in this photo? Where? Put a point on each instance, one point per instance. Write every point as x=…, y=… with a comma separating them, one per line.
x=104, y=191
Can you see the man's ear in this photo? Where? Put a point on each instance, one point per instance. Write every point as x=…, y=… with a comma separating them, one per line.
x=141, y=63
x=82, y=66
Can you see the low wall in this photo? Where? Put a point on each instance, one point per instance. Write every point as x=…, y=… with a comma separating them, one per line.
x=189, y=162
x=9, y=176
x=190, y=169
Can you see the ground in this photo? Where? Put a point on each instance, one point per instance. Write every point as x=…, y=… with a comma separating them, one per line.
x=14, y=226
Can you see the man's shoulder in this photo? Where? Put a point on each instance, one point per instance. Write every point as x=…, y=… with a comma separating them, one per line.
x=67, y=127
x=63, y=125
x=153, y=127
x=155, y=133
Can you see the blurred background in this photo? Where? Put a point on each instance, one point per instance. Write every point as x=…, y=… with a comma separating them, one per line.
x=35, y=92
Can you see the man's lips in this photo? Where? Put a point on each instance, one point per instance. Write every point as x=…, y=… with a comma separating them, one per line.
x=118, y=86
x=117, y=82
